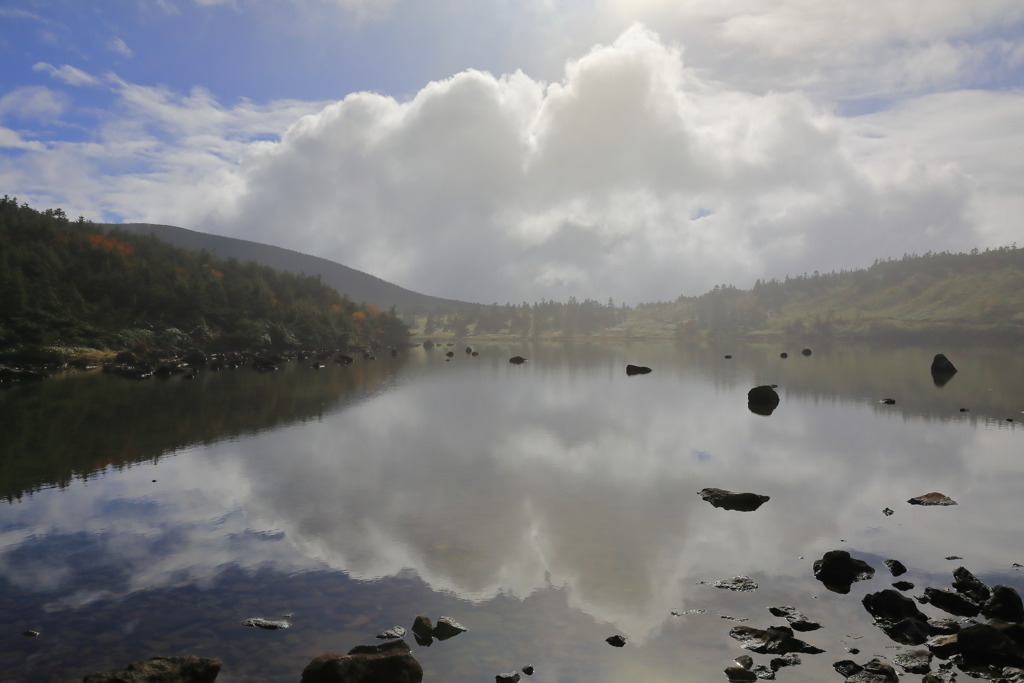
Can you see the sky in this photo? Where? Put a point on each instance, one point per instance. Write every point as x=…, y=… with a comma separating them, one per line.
x=509, y=151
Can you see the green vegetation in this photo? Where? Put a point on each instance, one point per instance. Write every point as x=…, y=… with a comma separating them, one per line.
x=65, y=283
x=975, y=295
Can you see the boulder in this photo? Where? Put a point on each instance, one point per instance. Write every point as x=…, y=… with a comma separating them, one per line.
x=933, y=498
x=797, y=621
x=727, y=500
x=637, y=369
x=616, y=640
x=952, y=602
x=762, y=400
x=896, y=568
x=517, y=360
x=970, y=585
x=423, y=630
x=774, y=640
x=183, y=669
x=388, y=663
x=1005, y=604
x=897, y=616
x=914, y=661
x=942, y=370
x=837, y=570
x=447, y=627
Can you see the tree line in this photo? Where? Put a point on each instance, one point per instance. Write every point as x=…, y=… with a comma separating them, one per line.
x=72, y=283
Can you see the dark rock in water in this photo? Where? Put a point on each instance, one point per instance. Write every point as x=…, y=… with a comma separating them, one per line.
x=874, y=671
x=914, y=661
x=847, y=667
x=897, y=616
x=888, y=512
x=943, y=626
x=788, y=659
x=392, y=633
x=989, y=641
x=728, y=356
x=933, y=498
x=737, y=674
x=806, y=352
x=837, y=570
x=952, y=602
x=447, y=627
x=528, y=669
x=774, y=640
x=423, y=630
x=392, y=662
x=510, y=677
x=903, y=586
x=616, y=641
x=942, y=370
x=31, y=633
x=637, y=369
x=888, y=401
x=517, y=360
x=1004, y=603
x=742, y=584
x=797, y=621
x=727, y=500
x=896, y=567
x=269, y=624
x=762, y=400
x=970, y=585
x=184, y=669
x=783, y=355
x=746, y=661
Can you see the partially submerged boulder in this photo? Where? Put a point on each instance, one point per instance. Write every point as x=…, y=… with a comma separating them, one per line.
x=837, y=570
x=933, y=498
x=392, y=662
x=728, y=500
x=182, y=669
x=763, y=400
x=774, y=640
x=637, y=369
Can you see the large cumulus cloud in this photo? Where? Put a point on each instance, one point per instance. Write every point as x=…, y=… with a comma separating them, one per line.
x=632, y=177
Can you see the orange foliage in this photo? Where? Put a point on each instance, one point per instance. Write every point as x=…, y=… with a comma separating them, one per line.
x=110, y=244
x=372, y=310
x=359, y=316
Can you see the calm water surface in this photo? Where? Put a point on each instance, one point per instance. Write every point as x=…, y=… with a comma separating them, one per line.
x=545, y=507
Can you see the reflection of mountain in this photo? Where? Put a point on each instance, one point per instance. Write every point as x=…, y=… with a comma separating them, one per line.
x=75, y=425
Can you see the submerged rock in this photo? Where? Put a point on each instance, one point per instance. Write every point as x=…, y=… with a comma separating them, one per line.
x=183, y=669
x=269, y=624
x=837, y=570
x=774, y=640
x=742, y=584
x=392, y=662
x=797, y=621
x=933, y=498
x=727, y=500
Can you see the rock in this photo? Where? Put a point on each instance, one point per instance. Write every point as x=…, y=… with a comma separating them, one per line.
x=1004, y=603
x=510, y=677
x=897, y=616
x=637, y=369
x=528, y=669
x=774, y=640
x=269, y=624
x=988, y=641
x=391, y=662
x=448, y=628
x=847, y=667
x=888, y=512
x=888, y=401
x=616, y=640
x=783, y=355
x=746, y=661
x=943, y=626
x=968, y=584
x=184, y=669
x=896, y=567
x=952, y=602
x=762, y=400
x=837, y=570
x=392, y=633
x=914, y=661
x=788, y=659
x=942, y=370
x=517, y=360
x=933, y=498
x=737, y=674
x=797, y=621
x=875, y=671
x=806, y=352
x=742, y=584
x=727, y=500
x=423, y=630
x=903, y=585
x=31, y=633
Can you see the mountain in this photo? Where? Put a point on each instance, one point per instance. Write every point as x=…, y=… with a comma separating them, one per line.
x=356, y=285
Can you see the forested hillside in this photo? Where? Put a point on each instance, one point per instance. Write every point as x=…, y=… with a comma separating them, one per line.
x=73, y=284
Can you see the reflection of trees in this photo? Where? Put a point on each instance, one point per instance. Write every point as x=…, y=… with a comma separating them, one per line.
x=74, y=426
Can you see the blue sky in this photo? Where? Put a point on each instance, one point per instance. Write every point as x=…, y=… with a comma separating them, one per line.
x=508, y=151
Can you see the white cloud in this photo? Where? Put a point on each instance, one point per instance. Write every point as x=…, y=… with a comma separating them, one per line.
x=68, y=74
x=33, y=102
x=120, y=47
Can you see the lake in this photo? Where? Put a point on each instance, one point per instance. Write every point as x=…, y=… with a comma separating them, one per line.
x=545, y=506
